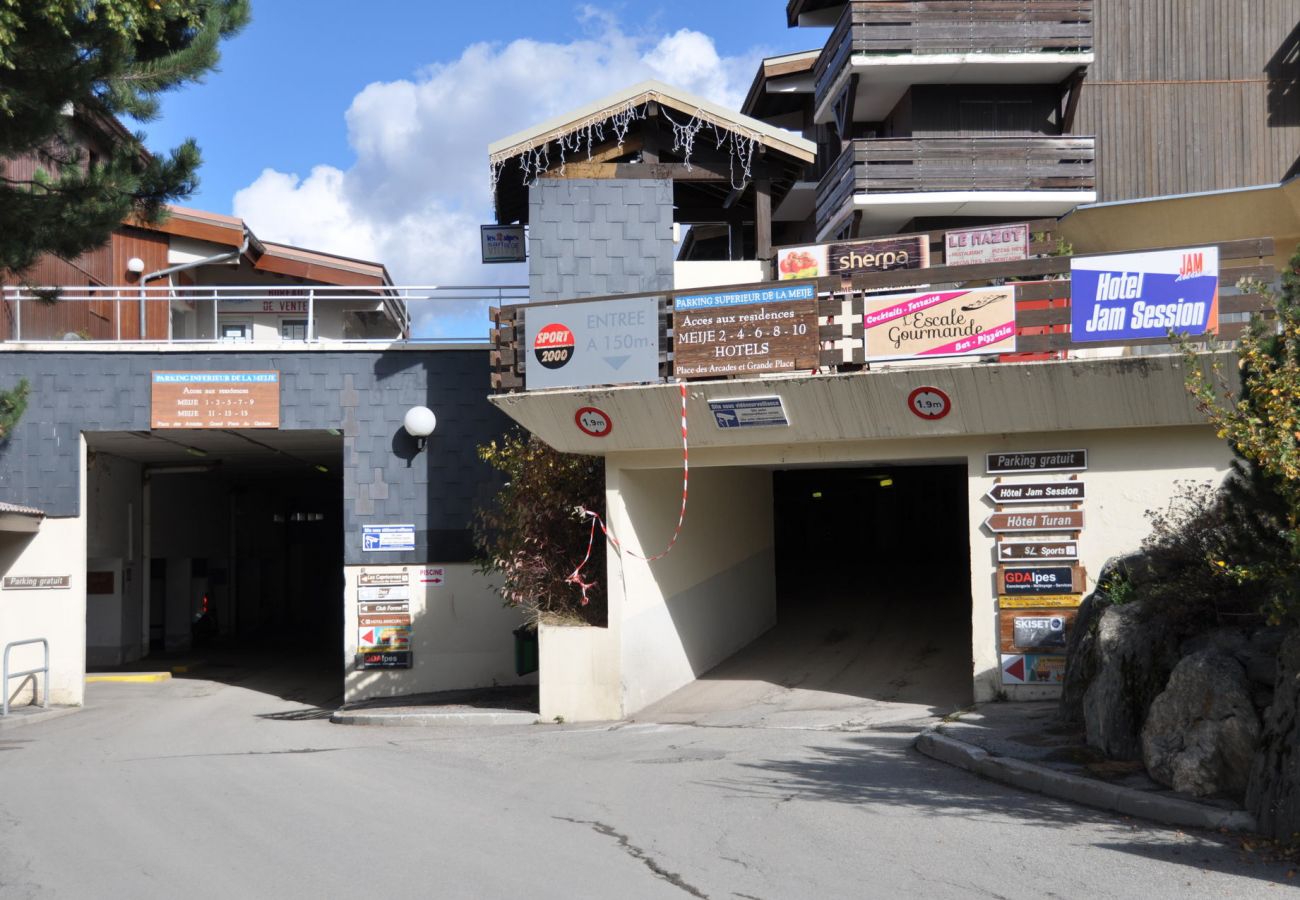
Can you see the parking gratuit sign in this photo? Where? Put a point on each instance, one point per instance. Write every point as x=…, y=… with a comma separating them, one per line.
x=1128, y=296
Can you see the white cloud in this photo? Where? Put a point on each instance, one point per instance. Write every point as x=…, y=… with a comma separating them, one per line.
x=419, y=187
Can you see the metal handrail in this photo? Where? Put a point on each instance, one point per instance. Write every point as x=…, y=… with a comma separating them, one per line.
x=4, y=707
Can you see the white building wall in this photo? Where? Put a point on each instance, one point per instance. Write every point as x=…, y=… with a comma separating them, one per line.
x=114, y=541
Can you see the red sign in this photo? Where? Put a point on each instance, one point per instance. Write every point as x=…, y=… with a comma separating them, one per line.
x=592, y=421
x=929, y=403
x=553, y=345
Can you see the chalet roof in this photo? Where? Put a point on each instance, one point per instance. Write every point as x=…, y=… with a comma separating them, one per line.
x=666, y=95
x=15, y=509
x=758, y=102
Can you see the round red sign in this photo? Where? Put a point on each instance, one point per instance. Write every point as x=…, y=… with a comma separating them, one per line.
x=553, y=345
x=592, y=421
x=929, y=403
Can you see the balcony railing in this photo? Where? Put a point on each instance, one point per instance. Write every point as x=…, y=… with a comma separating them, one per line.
x=952, y=26
x=923, y=165
x=229, y=314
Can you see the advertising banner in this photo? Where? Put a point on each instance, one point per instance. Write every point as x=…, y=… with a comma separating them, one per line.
x=940, y=323
x=1032, y=669
x=746, y=332
x=1127, y=296
x=850, y=257
x=502, y=243
x=1041, y=580
x=601, y=342
x=1028, y=630
x=1000, y=243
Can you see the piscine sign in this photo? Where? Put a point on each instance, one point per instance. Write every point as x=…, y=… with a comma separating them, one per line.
x=1023, y=580
x=598, y=342
x=745, y=332
x=849, y=257
x=1144, y=295
x=1038, y=550
x=1038, y=492
x=940, y=323
x=1019, y=461
x=1037, y=520
x=215, y=400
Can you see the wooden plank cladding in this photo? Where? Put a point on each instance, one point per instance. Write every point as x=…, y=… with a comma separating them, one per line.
x=952, y=26
x=912, y=165
x=1042, y=308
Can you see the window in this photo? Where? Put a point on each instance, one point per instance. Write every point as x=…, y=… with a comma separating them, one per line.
x=236, y=331
x=293, y=329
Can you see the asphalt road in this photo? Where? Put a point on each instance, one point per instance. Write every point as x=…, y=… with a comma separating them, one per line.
x=198, y=788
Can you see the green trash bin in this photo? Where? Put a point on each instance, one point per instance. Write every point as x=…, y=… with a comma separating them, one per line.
x=525, y=649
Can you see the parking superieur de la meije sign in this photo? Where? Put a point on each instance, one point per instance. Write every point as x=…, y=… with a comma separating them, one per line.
x=1128, y=296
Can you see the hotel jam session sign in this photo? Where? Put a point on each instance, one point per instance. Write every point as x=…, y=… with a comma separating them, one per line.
x=1129, y=296
x=848, y=257
x=746, y=332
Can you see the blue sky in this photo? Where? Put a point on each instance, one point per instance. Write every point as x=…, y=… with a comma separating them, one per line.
x=361, y=128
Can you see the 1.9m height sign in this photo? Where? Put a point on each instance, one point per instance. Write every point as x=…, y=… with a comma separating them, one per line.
x=1129, y=296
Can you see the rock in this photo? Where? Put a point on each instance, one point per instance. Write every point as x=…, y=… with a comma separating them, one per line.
x=1200, y=734
x=1273, y=794
x=1133, y=660
x=1225, y=641
x=1081, y=647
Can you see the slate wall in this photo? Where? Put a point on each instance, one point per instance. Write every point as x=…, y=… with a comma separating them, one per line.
x=363, y=394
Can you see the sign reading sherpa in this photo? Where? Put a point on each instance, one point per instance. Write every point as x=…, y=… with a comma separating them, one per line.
x=848, y=257
x=1144, y=295
x=601, y=342
x=940, y=323
x=215, y=400
x=745, y=332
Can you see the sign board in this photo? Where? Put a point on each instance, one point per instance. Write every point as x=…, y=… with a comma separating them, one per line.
x=215, y=400
x=1038, y=520
x=1032, y=669
x=1040, y=600
x=1037, y=551
x=746, y=332
x=1021, y=580
x=1026, y=630
x=387, y=537
x=372, y=638
x=384, y=619
x=101, y=582
x=1042, y=493
x=372, y=578
x=940, y=323
x=273, y=301
x=593, y=421
x=999, y=243
x=1019, y=462
x=389, y=659
x=502, y=243
x=929, y=403
x=1127, y=296
x=371, y=594
x=434, y=575
x=383, y=608
x=600, y=342
x=749, y=412
x=36, y=582
x=850, y=257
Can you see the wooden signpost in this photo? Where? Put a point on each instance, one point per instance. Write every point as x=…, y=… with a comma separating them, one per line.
x=1035, y=521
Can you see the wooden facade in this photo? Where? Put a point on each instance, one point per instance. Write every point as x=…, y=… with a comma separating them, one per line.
x=1193, y=95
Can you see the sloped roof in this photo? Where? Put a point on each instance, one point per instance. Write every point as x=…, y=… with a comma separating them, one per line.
x=17, y=510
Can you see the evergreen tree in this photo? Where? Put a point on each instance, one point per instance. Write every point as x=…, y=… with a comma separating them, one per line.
x=66, y=64
x=12, y=404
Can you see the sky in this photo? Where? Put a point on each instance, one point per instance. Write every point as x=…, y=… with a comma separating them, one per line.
x=362, y=128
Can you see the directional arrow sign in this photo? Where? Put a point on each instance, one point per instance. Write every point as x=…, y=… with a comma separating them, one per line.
x=1038, y=520
x=1040, y=551
x=1039, y=492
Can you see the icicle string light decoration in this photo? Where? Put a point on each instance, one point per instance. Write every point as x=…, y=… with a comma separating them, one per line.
x=535, y=160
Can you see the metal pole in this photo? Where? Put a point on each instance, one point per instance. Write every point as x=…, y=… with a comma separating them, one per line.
x=18, y=317
x=311, y=315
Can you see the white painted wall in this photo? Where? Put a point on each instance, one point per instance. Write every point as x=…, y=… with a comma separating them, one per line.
x=689, y=274
x=57, y=548
x=461, y=636
x=578, y=674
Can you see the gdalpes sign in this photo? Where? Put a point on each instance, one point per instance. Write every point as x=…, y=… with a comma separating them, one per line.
x=1127, y=296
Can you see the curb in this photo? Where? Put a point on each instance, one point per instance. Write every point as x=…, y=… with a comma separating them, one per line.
x=17, y=719
x=130, y=678
x=379, y=717
x=1077, y=789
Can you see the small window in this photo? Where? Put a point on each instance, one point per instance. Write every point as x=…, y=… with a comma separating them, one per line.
x=236, y=331
x=293, y=329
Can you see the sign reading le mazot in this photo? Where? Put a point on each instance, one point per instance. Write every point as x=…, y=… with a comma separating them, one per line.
x=215, y=400
x=744, y=332
x=1128, y=296
x=940, y=323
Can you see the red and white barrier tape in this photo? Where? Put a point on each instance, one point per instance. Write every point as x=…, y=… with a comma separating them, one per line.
x=576, y=577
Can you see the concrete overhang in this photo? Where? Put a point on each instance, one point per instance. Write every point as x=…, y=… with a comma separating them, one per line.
x=885, y=213
x=1004, y=398
x=20, y=519
x=884, y=79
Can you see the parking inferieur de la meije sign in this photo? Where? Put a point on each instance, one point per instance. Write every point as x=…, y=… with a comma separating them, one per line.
x=600, y=342
x=770, y=329
x=940, y=323
x=1128, y=296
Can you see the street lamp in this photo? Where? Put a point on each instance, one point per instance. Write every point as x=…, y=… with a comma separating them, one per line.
x=419, y=423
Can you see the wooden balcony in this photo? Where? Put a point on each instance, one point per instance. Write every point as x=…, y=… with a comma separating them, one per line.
x=890, y=28
x=955, y=165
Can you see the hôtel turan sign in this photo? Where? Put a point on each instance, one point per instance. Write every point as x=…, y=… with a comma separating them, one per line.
x=215, y=400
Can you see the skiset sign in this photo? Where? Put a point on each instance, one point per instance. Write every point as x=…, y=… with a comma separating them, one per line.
x=1128, y=296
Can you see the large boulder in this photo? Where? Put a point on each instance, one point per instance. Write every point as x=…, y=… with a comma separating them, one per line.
x=1273, y=794
x=1081, y=647
x=1200, y=733
x=1132, y=659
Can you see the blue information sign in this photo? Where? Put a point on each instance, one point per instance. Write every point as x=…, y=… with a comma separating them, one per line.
x=751, y=412
x=1144, y=295
x=387, y=537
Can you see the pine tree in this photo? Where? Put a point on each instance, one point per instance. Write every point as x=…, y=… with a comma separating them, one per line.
x=12, y=404
x=69, y=64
